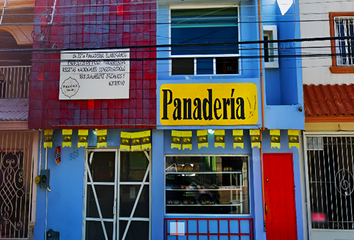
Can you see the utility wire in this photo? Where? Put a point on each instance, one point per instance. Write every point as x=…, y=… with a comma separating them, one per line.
x=183, y=45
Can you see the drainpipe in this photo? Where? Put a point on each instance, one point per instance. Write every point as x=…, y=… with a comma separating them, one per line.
x=262, y=94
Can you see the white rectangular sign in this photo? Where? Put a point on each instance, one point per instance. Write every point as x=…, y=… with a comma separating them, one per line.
x=94, y=74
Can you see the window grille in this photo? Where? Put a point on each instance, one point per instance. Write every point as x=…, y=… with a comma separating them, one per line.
x=344, y=28
x=331, y=181
x=15, y=81
x=15, y=183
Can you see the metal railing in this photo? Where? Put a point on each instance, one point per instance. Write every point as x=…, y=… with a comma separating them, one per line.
x=15, y=81
x=208, y=228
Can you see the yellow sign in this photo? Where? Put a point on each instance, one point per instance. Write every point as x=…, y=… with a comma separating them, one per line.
x=209, y=104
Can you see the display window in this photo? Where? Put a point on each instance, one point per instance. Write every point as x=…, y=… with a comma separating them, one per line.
x=207, y=184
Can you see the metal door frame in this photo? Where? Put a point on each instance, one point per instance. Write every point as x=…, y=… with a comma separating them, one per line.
x=117, y=183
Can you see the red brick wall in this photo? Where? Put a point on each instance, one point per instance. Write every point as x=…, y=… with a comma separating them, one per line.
x=85, y=24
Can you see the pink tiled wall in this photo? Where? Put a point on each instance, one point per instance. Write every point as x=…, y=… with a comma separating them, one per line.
x=85, y=24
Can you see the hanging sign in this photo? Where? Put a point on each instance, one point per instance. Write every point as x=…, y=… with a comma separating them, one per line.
x=83, y=136
x=255, y=135
x=94, y=74
x=48, y=138
x=293, y=137
x=238, y=138
x=181, y=139
x=202, y=138
x=219, y=138
x=101, y=138
x=274, y=138
x=67, y=135
x=209, y=104
x=58, y=155
x=135, y=141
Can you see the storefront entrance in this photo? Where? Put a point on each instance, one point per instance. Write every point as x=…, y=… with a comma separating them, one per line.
x=279, y=196
x=117, y=195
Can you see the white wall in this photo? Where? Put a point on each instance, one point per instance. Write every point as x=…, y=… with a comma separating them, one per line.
x=316, y=69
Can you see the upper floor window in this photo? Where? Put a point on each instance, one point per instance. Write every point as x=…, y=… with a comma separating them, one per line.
x=342, y=27
x=204, y=41
x=270, y=47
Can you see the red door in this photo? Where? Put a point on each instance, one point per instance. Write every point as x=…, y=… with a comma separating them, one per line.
x=279, y=193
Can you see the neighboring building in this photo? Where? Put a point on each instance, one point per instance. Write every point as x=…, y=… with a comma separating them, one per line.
x=18, y=144
x=328, y=75
x=126, y=93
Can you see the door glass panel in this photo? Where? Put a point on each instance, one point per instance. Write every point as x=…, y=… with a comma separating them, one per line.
x=137, y=230
x=105, y=195
x=102, y=167
x=133, y=166
x=128, y=195
x=94, y=230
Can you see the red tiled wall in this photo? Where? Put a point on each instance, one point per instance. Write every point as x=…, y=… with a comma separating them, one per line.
x=85, y=24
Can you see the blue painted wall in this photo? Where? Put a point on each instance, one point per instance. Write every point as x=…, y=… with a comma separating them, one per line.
x=65, y=200
x=282, y=86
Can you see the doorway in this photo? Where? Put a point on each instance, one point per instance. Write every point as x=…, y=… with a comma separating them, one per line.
x=117, y=195
x=279, y=193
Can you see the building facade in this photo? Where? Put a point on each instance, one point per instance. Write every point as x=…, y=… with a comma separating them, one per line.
x=167, y=120
x=218, y=96
x=328, y=89
x=18, y=144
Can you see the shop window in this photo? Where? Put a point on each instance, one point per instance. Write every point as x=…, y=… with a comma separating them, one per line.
x=204, y=41
x=342, y=28
x=330, y=168
x=270, y=47
x=207, y=184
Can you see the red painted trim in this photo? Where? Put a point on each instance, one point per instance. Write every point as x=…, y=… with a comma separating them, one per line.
x=329, y=119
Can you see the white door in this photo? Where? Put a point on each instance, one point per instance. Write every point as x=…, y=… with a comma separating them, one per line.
x=117, y=195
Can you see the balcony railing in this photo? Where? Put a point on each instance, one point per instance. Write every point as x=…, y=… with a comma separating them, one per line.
x=15, y=81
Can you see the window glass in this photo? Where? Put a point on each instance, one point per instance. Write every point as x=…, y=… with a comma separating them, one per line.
x=102, y=167
x=266, y=48
x=183, y=66
x=204, y=31
x=226, y=65
x=207, y=184
x=204, y=66
x=344, y=27
x=133, y=166
x=205, y=25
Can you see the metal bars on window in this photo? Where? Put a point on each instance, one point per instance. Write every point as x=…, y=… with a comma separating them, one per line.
x=330, y=167
x=15, y=183
x=15, y=81
x=344, y=28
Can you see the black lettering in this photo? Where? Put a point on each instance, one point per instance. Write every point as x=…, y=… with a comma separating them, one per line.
x=166, y=101
x=232, y=100
x=187, y=108
x=217, y=106
x=208, y=109
x=240, y=111
x=226, y=102
x=197, y=113
x=177, y=112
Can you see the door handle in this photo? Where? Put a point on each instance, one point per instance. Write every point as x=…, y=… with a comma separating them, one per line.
x=265, y=209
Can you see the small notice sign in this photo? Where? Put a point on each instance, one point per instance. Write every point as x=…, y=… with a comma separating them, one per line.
x=94, y=74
